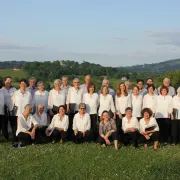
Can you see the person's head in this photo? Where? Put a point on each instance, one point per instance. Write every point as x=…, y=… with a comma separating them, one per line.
x=40, y=85
x=23, y=84
x=128, y=112
x=91, y=87
x=151, y=88
x=82, y=108
x=166, y=82
x=57, y=84
x=105, y=82
x=104, y=90
x=32, y=81
x=146, y=113
x=140, y=84
x=76, y=83
x=149, y=81
x=8, y=81
x=65, y=80
x=28, y=109
x=178, y=91
x=40, y=108
x=127, y=84
x=164, y=90
x=87, y=79
x=121, y=89
x=135, y=90
x=105, y=116
x=62, y=110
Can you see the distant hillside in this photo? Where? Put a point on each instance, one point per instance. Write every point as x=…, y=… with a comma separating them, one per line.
x=11, y=64
x=171, y=65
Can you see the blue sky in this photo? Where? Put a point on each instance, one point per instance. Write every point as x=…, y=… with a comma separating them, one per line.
x=111, y=33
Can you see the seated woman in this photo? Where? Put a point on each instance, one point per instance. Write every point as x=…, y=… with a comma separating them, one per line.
x=82, y=125
x=107, y=130
x=27, y=127
x=149, y=128
x=130, y=127
x=59, y=126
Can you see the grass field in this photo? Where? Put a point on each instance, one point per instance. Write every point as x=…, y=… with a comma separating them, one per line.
x=88, y=161
x=10, y=72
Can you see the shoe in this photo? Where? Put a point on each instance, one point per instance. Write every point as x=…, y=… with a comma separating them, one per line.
x=103, y=145
x=15, y=145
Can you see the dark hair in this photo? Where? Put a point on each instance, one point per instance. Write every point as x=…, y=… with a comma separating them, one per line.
x=104, y=112
x=62, y=106
x=7, y=77
x=148, y=79
x=1, y=83
x=135, y=87
x=140, y=80
x=148, y=110
x=151, y=85
x=90, y=85
x=164, y=87
x=128, y=108
x=23, y=80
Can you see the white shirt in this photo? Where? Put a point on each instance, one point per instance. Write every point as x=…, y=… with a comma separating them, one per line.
x=137, y=105
x=81, y=123
x=133, y=123
x=150, y=102
x=23, y=124
x=9, y=92
x=122, y=102
x=143, y=124
x=41, y=98
x=176, y=106
x=163, y=106
x=59, y=123
x=92, y=102
x=84, y=88
x=42, y=121
x=74, y=96
x=65, y=89
x=21, y=100
x=56, y=98
x=106, y=103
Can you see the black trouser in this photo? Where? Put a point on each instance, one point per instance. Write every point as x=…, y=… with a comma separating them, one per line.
x=114, y=136
x=175, y=131
x=42, y=133
x=134, y=136
x=58, y=135
x=164, y=128
x=94, y=126
x=153, y=137
x=119, y=127
x=4, y=126
x=79, y=138
x=13, y=124
x=70, y=130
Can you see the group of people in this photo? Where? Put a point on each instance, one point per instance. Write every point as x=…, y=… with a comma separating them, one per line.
x=80, y=113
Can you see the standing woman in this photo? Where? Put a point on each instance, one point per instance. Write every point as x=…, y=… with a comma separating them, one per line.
x=106, y=103
x=91, y=99
x=40, y=97
x=163, y=113
x=137, y=101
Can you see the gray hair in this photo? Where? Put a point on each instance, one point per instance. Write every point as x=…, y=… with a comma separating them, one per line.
x=105, y=80
x=40, y=105
x=40, y=82
x=76, y=79
x=65, y=77
x=166, y=79
x=32, y=78
x=82, y=105
x=27, y=105
x=57, y=81
x=88, y=75
x=127, y=82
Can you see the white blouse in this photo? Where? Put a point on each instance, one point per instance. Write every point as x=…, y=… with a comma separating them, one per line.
x=150, y=102
x=137, y=102
x=92, y=102
x=42, y=121
x=9, y=92
x=163, y=106
x=56, y=98
x=122, y=102
x=23, y=124
x=41, y=98
x=21, y=100
x=133, y=123
x=59, y=123
x=74, y=96
x=81, y=123
x=176, y=106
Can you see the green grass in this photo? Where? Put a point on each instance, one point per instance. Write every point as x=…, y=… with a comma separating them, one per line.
x=88, y=161
x=14, y=74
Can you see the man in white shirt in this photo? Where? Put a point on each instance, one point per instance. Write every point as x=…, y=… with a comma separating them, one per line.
x=65, y=85
x=87, y=81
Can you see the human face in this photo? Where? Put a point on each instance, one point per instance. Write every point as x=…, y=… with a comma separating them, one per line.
x=146, y=115
x=65, y=81
x=87, y=79
x=91, y=89
x=105, y=116
x=57, y=85
x=22, y=85
x=166, y=82
x=135, y=91
x=76, y=83
x=104, y=90
x=163, y=92
x=61, y=111
x=41, y=109
x=41, y=87
x=128, y=113
x=28, y=109
x=140, y=84
x=8, y=81
x=82, y=110
x=105, y=83
x=127, y=85
x=32, y=82
x=149, y=81
x=122, y=87
x=151, y=90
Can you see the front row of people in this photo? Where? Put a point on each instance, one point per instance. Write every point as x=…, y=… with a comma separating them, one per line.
x=33, y=128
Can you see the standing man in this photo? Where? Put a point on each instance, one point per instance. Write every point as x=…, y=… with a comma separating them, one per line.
x=150, y=82
x=32, y=86
x=142, y=90
x=65, y=85
x=87, y=81
x=128, y=85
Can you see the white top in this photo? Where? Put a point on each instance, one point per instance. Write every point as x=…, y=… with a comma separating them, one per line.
x=82, y=123
x=122, y=102
x=65, y=89
x=56, y=98
x=163, y=106
x=150, y=102
x=59, y=123
x=171, y=91
x=137, y=105
x=143, y=124
x=41, y=98
x=10, y=92
x=106, y=103
x=92, y=102
x=23, y=124
x=74, y=96
x=133, y=123
x=176, y=106
x=21, y=100
x=42, y=121
x=84, y=88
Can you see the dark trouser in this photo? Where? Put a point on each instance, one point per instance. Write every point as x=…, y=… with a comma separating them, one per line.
x=4, y=126
x=94, y=126
x=139, y=118
x=127, y=137
x=80, y=139
x=58, y=135
x=164, y=128
x=119, y=127
x=175, y=131
x=13, y=124
x=114, y=136
x=70, y=130
x=153, y=137
x=42, y=134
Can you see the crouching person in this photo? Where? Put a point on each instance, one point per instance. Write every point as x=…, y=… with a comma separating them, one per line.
x=82, y=125
x=59, y=126
x=107, y=130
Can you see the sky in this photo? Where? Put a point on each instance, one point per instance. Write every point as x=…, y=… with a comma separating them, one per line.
x=107, y=32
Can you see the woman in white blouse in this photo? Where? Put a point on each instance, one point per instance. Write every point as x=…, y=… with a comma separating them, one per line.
x=40, y=97
x=164, y=113
x=150, y=99
x=149, y=129
x=106, y=103
x=130, y=127
x=91, y=99
x=137, y=101
x=59, y=126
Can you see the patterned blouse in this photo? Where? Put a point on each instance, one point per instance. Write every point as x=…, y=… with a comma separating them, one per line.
x=104, y=128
